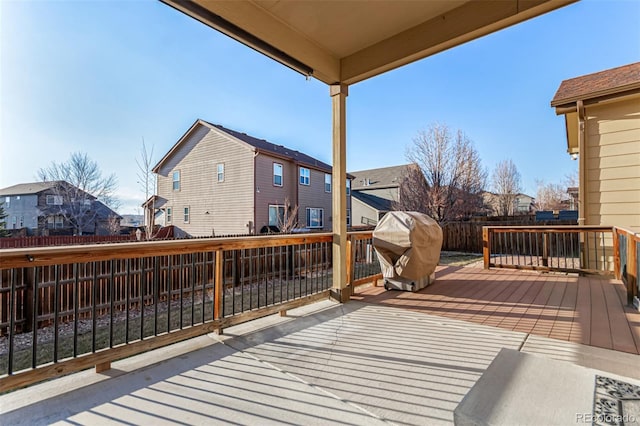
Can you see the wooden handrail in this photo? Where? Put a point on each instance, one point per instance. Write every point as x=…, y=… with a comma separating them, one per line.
x=44, y=256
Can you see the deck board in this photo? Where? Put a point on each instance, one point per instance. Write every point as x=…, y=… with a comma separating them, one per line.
x=587, y=310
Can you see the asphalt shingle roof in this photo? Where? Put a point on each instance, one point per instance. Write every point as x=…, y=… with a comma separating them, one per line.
x=378, y=203
x=279, y=150
x=385, y=177
x=592, y=85
x=26, y=188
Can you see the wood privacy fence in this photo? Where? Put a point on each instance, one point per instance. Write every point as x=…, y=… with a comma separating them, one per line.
x=467, y=236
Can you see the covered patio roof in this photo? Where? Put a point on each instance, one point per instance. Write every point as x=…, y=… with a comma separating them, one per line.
x=349, y=41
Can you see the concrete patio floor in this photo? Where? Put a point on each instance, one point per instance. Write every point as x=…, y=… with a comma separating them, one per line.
x=356, y=363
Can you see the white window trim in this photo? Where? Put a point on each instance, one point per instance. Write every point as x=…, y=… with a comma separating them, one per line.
x=218, y=173
x=303, y=178
x=348, y=185
x=308, y=217
x=327, y=175
x=173, y=180
x=348, y=217
x=169, y=214
x=281, y=174
x=186, y=211
x=56, y=200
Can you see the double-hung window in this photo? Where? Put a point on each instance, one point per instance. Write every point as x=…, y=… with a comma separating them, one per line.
x=169, y=215
x=221, y=172
x=54, y=200
x=305, y=176
x=176, y=180
x=348, y=187
x=315, y=217
x=277, y=174
x=327, y=182
x=186, y=215
x=348, y=217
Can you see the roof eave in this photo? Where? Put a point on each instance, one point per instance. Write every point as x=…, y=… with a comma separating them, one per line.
x=565, y=105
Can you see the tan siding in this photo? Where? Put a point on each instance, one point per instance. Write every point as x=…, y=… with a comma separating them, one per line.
x=362, y=210
x=313, y=195
x=229, y=204
x=613, y=164
x=386, y=193
x=267, y=193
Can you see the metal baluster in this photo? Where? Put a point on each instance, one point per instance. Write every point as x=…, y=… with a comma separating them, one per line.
x=56, y=309
x=34, y=320
x=12, y=321
x=111, y=290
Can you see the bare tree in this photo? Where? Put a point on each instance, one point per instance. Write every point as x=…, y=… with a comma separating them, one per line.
x=147, y=182
x=78, y=183
x=550, y=196
x=506, y=184
x=289, y=220
x=113, y=225
x=448, y=178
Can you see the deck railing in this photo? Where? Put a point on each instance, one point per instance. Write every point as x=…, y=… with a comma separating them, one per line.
x=63, y=309
x=574, y=249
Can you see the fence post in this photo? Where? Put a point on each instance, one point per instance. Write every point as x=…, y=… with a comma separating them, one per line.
x=27, y=299
x=486, y=246
x=218, y=293
x=545, y=249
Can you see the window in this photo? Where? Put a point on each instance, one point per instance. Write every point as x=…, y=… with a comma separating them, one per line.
x=315, y=217
x=277, y=174
x=304, y=176
x=7, y=201
x=176, y=180
x=54, y=200
x=327, y=182
x=186, y=215
x=55, y=222
x=348, y=186
x=348, y=217
x=221, y=172
x=276, y=215
x=169, y=214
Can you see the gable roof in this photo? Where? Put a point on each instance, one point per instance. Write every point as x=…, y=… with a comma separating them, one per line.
x=29, y=188
x=385, y=177
x=260, y=145
x=603, y=83
x=378, y=203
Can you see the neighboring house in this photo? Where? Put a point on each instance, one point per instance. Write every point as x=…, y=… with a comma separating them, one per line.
x=374, y=192
x=216, y=181
x=523, y=204
x=602, y=117
x=44, y=208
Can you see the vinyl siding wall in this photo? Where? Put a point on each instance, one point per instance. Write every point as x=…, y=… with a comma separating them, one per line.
x=267, y=193
x=386, y=193
x=361, y=210
x=613, y=164
x=229, y=204
x=314, y=196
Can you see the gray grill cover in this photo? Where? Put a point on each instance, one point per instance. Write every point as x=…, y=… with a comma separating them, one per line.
x=408, y=245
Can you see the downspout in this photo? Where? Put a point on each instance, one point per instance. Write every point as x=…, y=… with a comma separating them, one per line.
x=582, y=166
x=255, y=191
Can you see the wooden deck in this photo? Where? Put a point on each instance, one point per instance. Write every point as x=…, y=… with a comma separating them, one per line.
x=587, y=310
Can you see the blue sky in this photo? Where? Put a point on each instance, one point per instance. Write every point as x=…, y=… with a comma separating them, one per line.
x=98, y=76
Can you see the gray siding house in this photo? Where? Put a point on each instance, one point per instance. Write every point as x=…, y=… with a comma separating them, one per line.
x=44, y=208
x=374, y=192
x=217, y=181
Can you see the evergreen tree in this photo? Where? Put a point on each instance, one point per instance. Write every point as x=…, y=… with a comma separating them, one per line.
x=3, y=222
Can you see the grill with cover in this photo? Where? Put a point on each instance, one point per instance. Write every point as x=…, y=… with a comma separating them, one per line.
x=408, y=246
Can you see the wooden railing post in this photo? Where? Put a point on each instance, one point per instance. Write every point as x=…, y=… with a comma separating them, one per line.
x=632, y=265
x=616, y=254
x=545, y=249
x=486, y=246
x=350, y=260
x=218, y=293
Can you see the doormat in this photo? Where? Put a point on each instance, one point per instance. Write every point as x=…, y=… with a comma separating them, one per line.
x=616, y=403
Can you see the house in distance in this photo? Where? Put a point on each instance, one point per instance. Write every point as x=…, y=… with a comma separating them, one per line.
x=217, y=181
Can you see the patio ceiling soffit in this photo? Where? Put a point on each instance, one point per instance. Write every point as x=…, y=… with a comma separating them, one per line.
x=350, y=41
